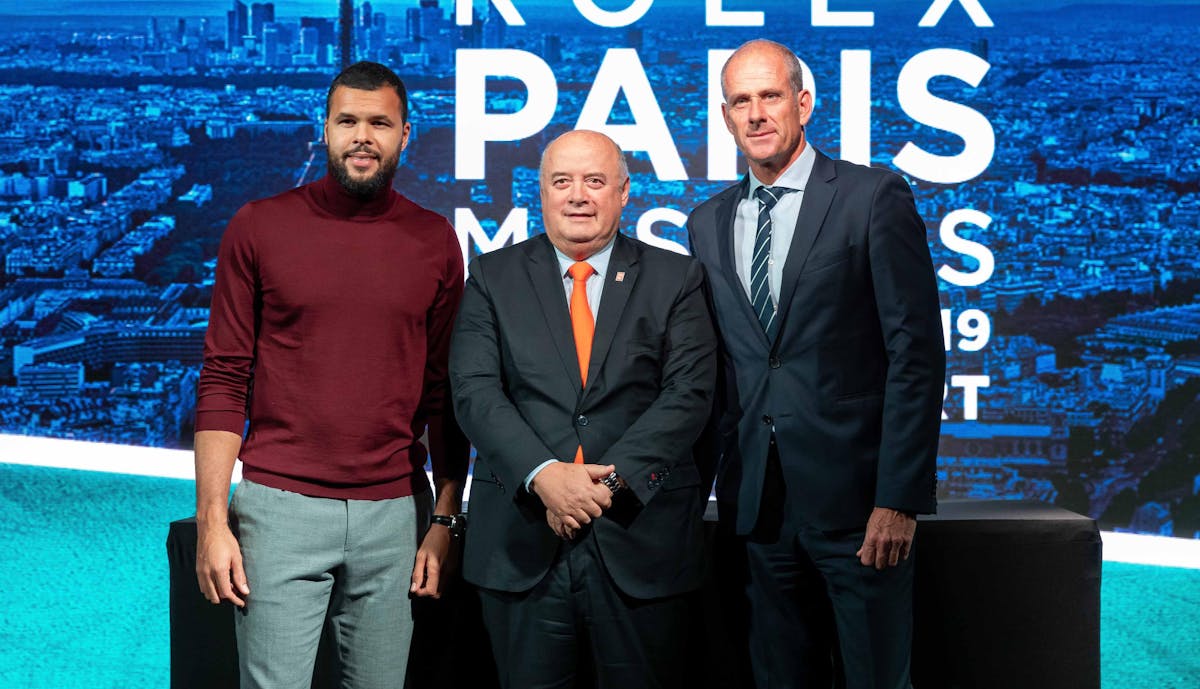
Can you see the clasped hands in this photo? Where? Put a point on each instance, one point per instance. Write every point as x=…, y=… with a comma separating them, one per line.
x=572, y=494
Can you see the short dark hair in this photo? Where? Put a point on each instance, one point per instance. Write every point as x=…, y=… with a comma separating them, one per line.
x=369, y=76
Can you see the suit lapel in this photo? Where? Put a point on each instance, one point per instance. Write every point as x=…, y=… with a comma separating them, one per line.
x=726, y=212
x=624, y=263
x=543, y=268
x=818, y=195
x=726, y=215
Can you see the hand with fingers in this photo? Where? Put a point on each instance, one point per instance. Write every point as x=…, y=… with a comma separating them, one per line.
x=888, y=539
x=572, y=494
x=219, y=565
x=437, y=560
x=557, y=526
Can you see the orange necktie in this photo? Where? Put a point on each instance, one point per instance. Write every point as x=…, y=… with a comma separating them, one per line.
x=582, y=324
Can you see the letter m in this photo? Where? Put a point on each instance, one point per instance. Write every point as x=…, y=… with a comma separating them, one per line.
x=515, y=228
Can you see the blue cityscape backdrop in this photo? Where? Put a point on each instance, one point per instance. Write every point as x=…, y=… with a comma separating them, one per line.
x=131, y=131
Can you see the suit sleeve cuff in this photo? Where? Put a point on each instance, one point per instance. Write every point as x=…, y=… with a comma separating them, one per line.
x=529, y=478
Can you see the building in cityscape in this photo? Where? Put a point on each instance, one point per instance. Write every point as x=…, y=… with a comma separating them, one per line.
x=138, y=139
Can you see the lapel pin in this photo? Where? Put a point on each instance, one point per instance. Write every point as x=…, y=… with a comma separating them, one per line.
x=620, y=276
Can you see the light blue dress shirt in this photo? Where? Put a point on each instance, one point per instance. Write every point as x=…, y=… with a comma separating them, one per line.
x=783, y=222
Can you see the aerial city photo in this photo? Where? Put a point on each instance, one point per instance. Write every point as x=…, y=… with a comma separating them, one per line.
x=1053, y=155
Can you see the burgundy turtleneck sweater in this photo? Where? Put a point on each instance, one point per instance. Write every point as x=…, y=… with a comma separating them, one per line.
x=330, y=331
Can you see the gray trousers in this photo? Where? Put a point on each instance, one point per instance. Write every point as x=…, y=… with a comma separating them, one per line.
x=306, y=558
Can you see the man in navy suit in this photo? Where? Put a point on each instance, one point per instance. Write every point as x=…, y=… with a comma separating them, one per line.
x=830, y=404
x=583, y=364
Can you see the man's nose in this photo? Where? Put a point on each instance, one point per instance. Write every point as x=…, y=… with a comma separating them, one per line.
x=575, y=194
x=363, y=133
x=756, y=111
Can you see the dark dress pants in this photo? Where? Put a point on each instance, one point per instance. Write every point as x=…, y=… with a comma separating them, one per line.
x=576, y=629
x=818, y=617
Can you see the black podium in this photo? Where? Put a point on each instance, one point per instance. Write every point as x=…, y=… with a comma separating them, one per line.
x=1007, y=595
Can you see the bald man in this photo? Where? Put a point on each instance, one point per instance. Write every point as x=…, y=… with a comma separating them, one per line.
x=827, y=309
x=582, y=367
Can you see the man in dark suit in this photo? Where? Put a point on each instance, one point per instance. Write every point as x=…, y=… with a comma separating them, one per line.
x=830, y=403
x=584, y=563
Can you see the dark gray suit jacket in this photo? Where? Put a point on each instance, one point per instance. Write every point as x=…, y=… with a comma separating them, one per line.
x=852, y=385
x=517, y=394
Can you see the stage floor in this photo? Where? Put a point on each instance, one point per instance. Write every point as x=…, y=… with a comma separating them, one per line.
x=85, y=595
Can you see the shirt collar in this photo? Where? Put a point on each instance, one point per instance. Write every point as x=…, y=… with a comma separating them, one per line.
x=598, y=260
x=794, y=177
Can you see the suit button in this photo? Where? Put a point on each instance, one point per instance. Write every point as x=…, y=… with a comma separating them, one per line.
x=767, y=420
x=775, y=362
x=581, y=420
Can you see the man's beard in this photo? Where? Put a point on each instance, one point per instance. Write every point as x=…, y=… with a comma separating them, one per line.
x=362, y=188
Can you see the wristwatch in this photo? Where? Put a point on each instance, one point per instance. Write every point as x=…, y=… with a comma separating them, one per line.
x=457, y=523
x=613, y=482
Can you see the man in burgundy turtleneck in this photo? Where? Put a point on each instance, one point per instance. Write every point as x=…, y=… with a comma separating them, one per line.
x=329, y=334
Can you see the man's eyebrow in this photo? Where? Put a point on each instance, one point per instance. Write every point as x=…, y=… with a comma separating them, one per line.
x=374, y=116
x=582, y=174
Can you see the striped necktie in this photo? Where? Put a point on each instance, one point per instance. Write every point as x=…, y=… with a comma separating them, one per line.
x=760, y=272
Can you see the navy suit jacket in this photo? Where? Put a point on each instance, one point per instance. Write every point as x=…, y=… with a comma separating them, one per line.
x=851, y=387
x=517, y=394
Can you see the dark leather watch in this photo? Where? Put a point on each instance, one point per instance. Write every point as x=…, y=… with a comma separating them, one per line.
x=457, y=523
